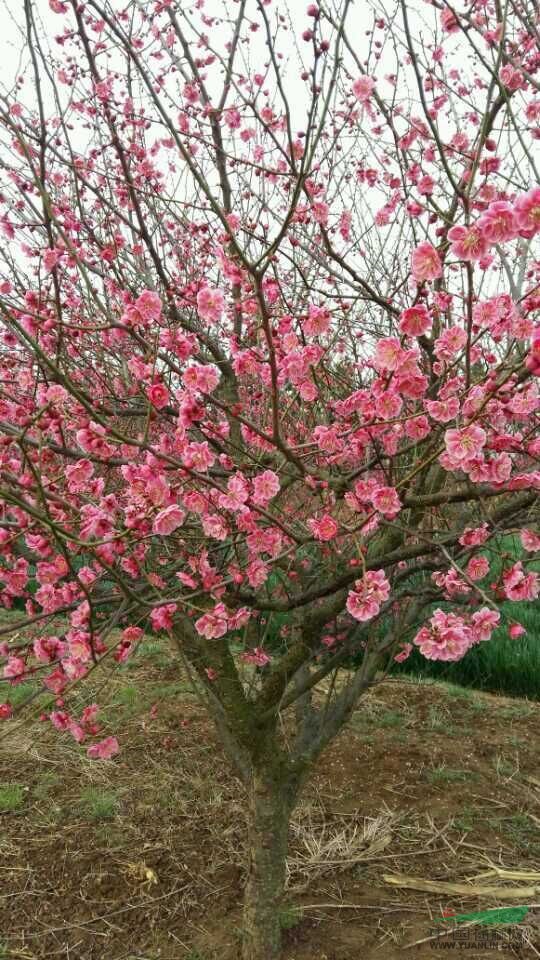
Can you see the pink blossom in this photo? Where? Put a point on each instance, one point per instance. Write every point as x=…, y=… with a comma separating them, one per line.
x=214, y=526
x=327, y=439
x=449, y=21
x=56, y=394
x=386, y=501
x=415, y=321
x=364, y=602
x=468, y=243
x=202, y=377
x=213, y=625
x=363, y=88
x=265, y=487
x=6, y=711
x=532, y=360
x=15, y=667
x=426, y=263
x=47, y=649
x=530, y=540
x=257, y=573
x=103, y=750
x=477, y=568
x=56, y=681
x=404, y=653
x=447, y=637
x=519, y=585
x=92, y=439
x=148, y=305
x=388, y=353
x=130, y=636
x=498, y=223
x=240, y=618
x=512, y=78
x=76, y=731
x=233, y=118
x=483, y=623
x=258, y=657
x=198, y=456
x=51, y=258
x=59, y=719
x=318, y=321
x=78, y=474
x=527, y=212
x=210, y=304
x=417, y=428
x=168, y=519
x=516, y=630
x=426, y=185
x=345, y=221
x=158, y=395
x=161, y=617
x=451, y=582
x=325, y=528
x=474, y=536
x=443, y=410
x=237, y=493
x=320, y=211
x=451, y=341
x=463, y=445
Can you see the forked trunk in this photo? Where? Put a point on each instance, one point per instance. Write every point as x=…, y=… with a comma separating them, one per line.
x=269, y=812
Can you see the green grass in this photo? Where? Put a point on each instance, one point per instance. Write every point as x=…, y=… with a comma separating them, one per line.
x=12, y=797
x=444, y=774
x=466, y=820
x=390, y=718
x=46, y=784
x=520, y=830
x=99, y=804
x=290, y=917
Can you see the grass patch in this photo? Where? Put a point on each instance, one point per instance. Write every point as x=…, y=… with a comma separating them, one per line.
x=516, y=711
x=48, y=781
x=520, y=830
x=466, y=820
x=290, y=917
x=99, y=804
x=390, y=718
x=12, y=797
x=445, y=774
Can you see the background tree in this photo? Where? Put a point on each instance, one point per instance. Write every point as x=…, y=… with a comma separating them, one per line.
x=268, y=358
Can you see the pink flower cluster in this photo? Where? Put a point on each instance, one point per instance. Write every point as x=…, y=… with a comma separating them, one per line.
x=257, y=657
x=220, y=621
x=519, y=585
x=323, y=528
x=210, y=304
x=79, y=729
x=364, y=602
x=502, y=221
x=146, y=308
x=449, y=636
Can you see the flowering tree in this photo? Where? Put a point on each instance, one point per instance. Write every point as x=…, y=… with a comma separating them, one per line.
x=268, y=358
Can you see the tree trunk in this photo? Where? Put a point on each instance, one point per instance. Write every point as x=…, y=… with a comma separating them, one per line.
x=270, y=807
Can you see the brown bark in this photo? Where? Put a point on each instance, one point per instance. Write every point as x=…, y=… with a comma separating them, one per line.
x=270, y=807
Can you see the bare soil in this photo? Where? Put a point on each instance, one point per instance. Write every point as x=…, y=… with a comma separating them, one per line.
x=142, y=857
